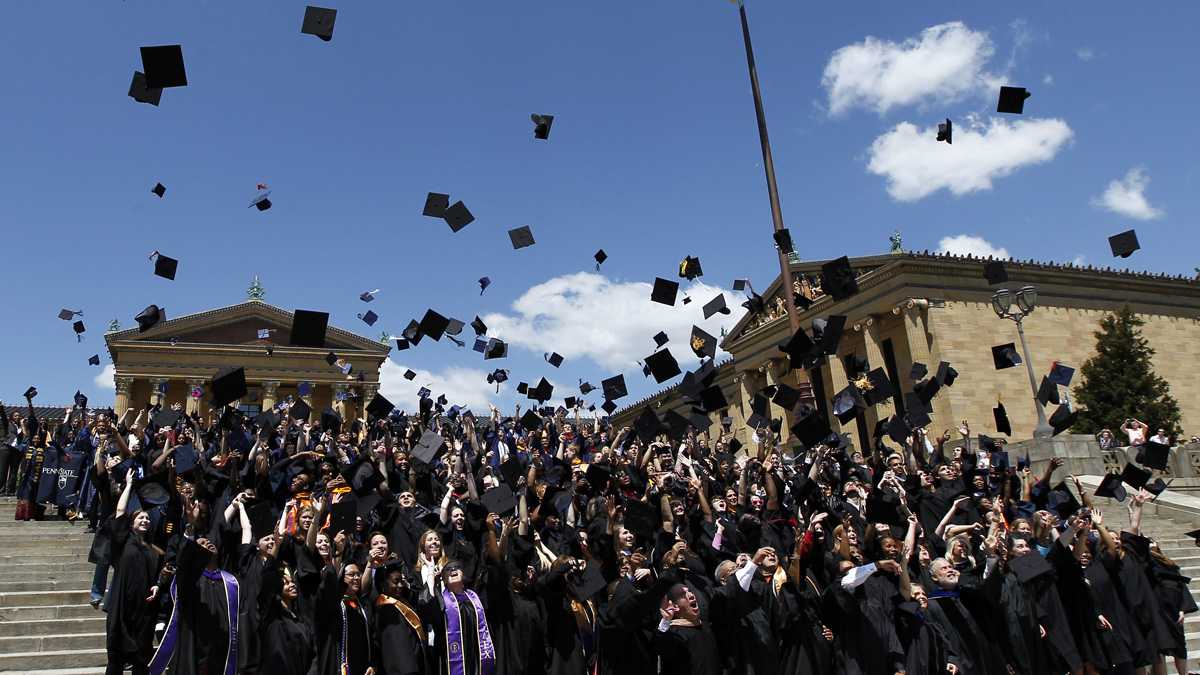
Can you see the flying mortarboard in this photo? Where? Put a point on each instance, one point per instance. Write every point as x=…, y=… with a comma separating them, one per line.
x=1063, y=418
x=433, y=325
x=1061, y=374
x=783, y=240
x=1111, y=486
x=884, y=507
x=1012, y=100
x=163, y=66
x=531, y=421
x=499, y=500
x=642, y=519
x=848, y=403
x=479, y=326
x=740, y=284
x=614, y=387
x=715, y=305
x=553, y=358
x=663, y=365
x=319, y=21
x=262, y=519
x=94, y=360
x=600, y=257
x=799, y=349
x=881, y=387
x=830, y=332
x=541, y=126
x=379, y=407
x=542, y=392
x=436, y=204
x=369, y=318
x=67, y=314
x=712, y=399
x=664, y=291
x=1154, y=455
x=918, y=371
x=343, y=516
x=1124, y=244
x=299, y=410
x=1157, y=487
x=521, y=237
x=457, y=216
x=703, y=345
x=1001, y=416
x=79, y=328
x=139, y=92
x=586, y=388
x=946, y=374
x=1135, y=476
x=185, y=459
x=1005, y=356
x=1029, y=566
x=484, y=282
x=496, y=349
x=1062, y=501
x=945, y=131
x=837, y=278
x=159, y=189
x=308, y=328
x=228, y=385
x=786, y=397
x=1048, y=392
x=150, y=317
x=994, y=272
x=689, y=268
x=608, y=407
x=428, y=446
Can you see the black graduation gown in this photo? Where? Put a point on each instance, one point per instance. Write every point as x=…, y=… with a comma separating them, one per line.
x=1027, y=608
x=1081, y=611
x=434, y=614
x=688, y=650
x=1141, y=598
x=331, y=629
x=627, y=626
x=803, y=648
x=130, y=622
x=965, y=639
x=517, y=625
x=564, y=640
x=866, y=617
x=252, y=566
x=1174, y=597
x=926, y=649
x=286, y=637
x=401, y=646
x=203, y=614
x=1120, y=642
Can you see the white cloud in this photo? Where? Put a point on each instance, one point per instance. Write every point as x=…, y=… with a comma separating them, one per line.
x=587, y=315
x=1085, y=53
x=104, y=380
x=916, y=165
x=1128, y=196
x=1048, y=80
x=969, y=244
x=462, y=386
x=945, y=63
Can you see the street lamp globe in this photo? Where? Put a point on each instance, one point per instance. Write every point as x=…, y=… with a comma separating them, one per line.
x=1027, y=299
x=1001, y=301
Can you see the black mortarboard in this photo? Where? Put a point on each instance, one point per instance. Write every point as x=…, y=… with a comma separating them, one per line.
x=165, y=267
x=1012, y=100
x=299, y=410
x=521, y=237
x=848, y=403
x=918, y=371
x=642, y=519
x=428, y=445
x=881, y=387
x=665, y=291
x=542, y=392
x=994, y=272
x=608, y=406
x=531, y=421
x=1048, y=392
x=94, y=360
x=1060, y=374
x=586, y=388
x=1111, y=486
x=715, y=305
x=1135, y=476
x=614, y=387
x=522, y=388
x=662, y=365
x=811, y=426
x=1154, y=455
x=541, y=125
x=308, y=328
x=342, y=516
x=1157, y=487
x=499, y=500
x=369, y=317
x=827, y=333
x=166, y=418
x=884, y=507
x=554, y=358
x=703, y=344
x=589, y=582
x=457, y=216
x=945, y=131
x=783, y=240
x=479, y=326
x=837, y=278
x=496, y=349
x=1062, y=419
x=262, y=519
x=800, y=349
x=433, y=324
x=946, y=374
x=1001, y=417
x=661, y=338
x=713, y=399
x=897, y=428
x=1124, y=244
x=150, y=317
x=689, y=268
x=185, y=459
x=78, y=327
x=1062, y=501
x=917, y=410
x=163, y=66
x=331, y=421
x=786, y=397
x=436, y=204
x=139, y=92
x=1029, y=566
x=600, y=257
x=159, y=189
x=412, y=332
x=379, y=407
x=1005, y=356
x=754, y=303
x=228, y=386
x=319, y=21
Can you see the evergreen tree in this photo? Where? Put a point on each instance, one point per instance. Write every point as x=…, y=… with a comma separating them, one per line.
x=1119, y=382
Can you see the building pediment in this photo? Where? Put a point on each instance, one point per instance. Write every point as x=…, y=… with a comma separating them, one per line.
x=239, y=324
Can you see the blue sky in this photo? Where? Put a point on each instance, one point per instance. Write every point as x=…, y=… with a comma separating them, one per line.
x=653, y=156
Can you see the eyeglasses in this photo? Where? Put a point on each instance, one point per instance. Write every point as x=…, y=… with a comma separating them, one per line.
x=353, y=575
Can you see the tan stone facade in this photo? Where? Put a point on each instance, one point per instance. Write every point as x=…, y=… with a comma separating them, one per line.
x=183, y=354
x=929, y=308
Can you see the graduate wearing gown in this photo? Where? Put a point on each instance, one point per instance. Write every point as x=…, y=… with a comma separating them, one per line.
x=463, y=640
x=133, y=599
x=402, y=638
x=343, y=623
x=286, y=636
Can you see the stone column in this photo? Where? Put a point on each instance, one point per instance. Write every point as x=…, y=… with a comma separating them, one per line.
x=121, y=402
x=270, y=392
x=158, y=391
x=837, y=382
x=193, y=404
x=872, y=339
x=918, y=341
x=339, y=398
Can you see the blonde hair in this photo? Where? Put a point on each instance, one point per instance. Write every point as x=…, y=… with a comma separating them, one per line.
x=441, y=562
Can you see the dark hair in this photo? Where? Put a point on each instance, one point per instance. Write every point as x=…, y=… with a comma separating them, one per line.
x=676, y=592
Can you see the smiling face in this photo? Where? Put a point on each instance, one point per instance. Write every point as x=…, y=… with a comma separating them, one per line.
x=141, y=522
x=944, y=574
x=268, y=545
x=627, y=538
x=306, y=518
x=685, y=601
x=379, y=546
x=352, y=577
x=458, y=518
x=323, y=545
x=431, y=545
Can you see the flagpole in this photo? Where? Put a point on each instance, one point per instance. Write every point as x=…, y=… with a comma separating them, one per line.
x=785, y=270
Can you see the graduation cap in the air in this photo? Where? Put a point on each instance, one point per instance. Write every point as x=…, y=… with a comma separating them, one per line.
x=689, y=268
x=918, y=371
x=479, y=326
x=661, y=338
x=541, y=126
x=1124, y=244
x=585, y=388
x=260, y=200
x=614, y=387
x=827, y=333
x=1062, y=501
x=79, y=329
x=1012, y=100
x=703, y=345
x=499, y=500
x=881, y=387
x=1111, y=486
x=786, y=397
x=436, y=204
x=717, y=304
x=848, y=403
x=496, y=377
x=1157, y=487
x=662, y=365
x=553, y=358
x=263, y=519
x=94, y=360
x=228, y=385
x=945, y=131
x=1005, y=356
x=1154, y=455
x=163, y=66
x=343, y=516
x=1063, y=418
x=946, y=374
x=600, y=257
x=457, y=216
x=1001, y=417
x=811, y=426
x=428, y=446
x=150, y=317
x=496, y=349
x=542, y=392
x=783, y=241
x=308, y=328
x=319, y=21
x=369, y=317
x=379, y=407
x=159, y=189
x=1135, y=476
x=800, y=349
x=521, y=237
x=884, y=507
x=1048, y=392
x=754, y=303
x=139, y=92
x=1029, y=566
x=299, y=410
x=994, y=272
x=1061, y=374
x=837, y=278
x=531, y=421
x=665, y=291
x=165, y=419
x=410, y=375
x=712, y=399
x=433, y=325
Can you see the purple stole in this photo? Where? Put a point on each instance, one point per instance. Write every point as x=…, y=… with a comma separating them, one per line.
x=166, y=649
x=454, y=645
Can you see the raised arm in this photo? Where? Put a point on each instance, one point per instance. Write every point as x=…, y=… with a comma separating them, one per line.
x=123, y=502
x=310, y=541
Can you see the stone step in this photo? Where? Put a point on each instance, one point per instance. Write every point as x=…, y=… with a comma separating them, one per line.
x=70, y=661
x=43, y=643
x=41, y=558
x=43, y=598
x=83, y=582
x=98, y=670
x=46, y=612
x=92, y=624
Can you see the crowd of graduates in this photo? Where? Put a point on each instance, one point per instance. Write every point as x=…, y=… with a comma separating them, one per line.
x=543, y=543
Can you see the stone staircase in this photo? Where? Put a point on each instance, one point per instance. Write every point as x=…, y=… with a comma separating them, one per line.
x=47, y=626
